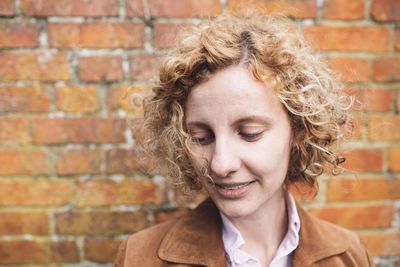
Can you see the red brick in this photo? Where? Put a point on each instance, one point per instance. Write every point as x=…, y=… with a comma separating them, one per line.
x=343, y=9
x=355, y=127
x=24, y=99
x=397, y=39
x=14, y=131
x=124, y=161
x=42, y=67
x=64, y=35
x=78, y=130
x=364, y=160
x=385, y=10
x=100, y=68
x=19, y=223
x=101, y=250
x=72, y=162
x=344, y=38
x=299, y=9
x=382, y=244
x=64, y=251
x=7, y=8
x=18, y=35
x=378, y=100
x=163, y=216
x=32, y=192
x=387, y=69
x=102, y=192
x=184, y=8
x=351, y=69
x=144, y=67
x=167, y=34
x=394, y=159
x=77, y=98
x=128, y=98
x=100, y=222
x=70, y=7
x=384, y=128
x=360, y=189
x=356, y=217
x=31, y=162
x=134, y=8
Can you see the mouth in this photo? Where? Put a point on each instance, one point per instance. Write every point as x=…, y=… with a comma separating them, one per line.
x=233, y=186
x=233, y=191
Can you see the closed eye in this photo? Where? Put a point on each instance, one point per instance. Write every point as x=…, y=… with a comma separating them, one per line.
x=251, y=137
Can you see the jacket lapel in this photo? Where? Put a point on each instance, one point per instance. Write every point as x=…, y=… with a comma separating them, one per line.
x=195, y=239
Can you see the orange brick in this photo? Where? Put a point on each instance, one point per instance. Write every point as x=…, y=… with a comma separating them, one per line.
x=18, y=35
x=102, y=192
x=128, y=98
x=356, y=217
x=167, y=34
x=343, y=9
x=394, y=159
x=299, y=9
x=385, y=10
x=24, y=99
x=7, y=8
x=382, y=244
x=64, y=251
x=19, y=223
x=359, y=189
x=123, y=161
x=72, y=162
x=344, y=38
x=163, y=216
x=355, y=127
x=387, y=69
x=32, y=192
x=31, y=162
x=364, y=160
x=101, y=250
x=70, y=8
x=41, y=67
x=397, y=39
x=134, y=8
x=351, y=69
x=64, y=35
x=14, y=131
x=378, y=100
x=100, y=68
x=384, y=128
x=77, y=98
x=78, y=130
x=184, y=8
x=100, y=222
x=144, y=67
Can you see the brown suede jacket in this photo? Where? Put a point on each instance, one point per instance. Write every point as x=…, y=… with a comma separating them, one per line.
x=195, y=239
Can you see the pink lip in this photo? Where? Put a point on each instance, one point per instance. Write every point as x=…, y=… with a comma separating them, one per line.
x=233, y=193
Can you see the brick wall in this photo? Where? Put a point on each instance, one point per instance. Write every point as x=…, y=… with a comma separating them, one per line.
x=71, y=187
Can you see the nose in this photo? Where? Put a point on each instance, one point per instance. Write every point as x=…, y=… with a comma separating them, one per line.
x=224, y=159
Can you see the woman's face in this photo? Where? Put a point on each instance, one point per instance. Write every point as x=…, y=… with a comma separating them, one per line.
x=242, y=130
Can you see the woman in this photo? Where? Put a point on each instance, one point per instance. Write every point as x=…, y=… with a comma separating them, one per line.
x=244, y=109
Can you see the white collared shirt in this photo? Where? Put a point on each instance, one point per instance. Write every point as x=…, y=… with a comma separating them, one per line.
x=233, y=240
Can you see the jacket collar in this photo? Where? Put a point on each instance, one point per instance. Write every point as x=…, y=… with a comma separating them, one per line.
x=196, y=239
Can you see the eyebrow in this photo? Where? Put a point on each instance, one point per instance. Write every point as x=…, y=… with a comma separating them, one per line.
x=260, y=119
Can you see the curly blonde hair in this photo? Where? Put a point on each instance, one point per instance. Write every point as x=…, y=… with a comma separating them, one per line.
x=272, y=52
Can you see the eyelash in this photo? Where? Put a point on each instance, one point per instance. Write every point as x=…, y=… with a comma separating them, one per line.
x=208, y=140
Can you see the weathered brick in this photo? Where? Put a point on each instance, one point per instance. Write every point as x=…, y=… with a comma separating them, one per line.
x=397, y=39
x=19, y=223
x=77, y=98
x=71, y=162
x=132, y=192
x=31, y=162
x=360, y=189
x=382, y=244
x=384, y=128
x=378, y=100
x=64, y=35
x=144, y=67
x=14, y=131
x=394, y=159
x=364, y=160
x=101, y=250
x=70, y=7
x=42, y=67
x=299, y=9
x=184, y=8
x=18, y=35
x=343, y=9
x=356, y=217
x=128, y=98
x=163, y=216
x=64, y=251
x=134, y=8
x=100, y=68
x=385, y=10
x=100, y=222
x=167, y=34
x=126, y=161
x=7, y=8
x=30, y=192
x=24, y=99
x=351, y=69
x=387, y=69
x=345, y=38
x=78, y=130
